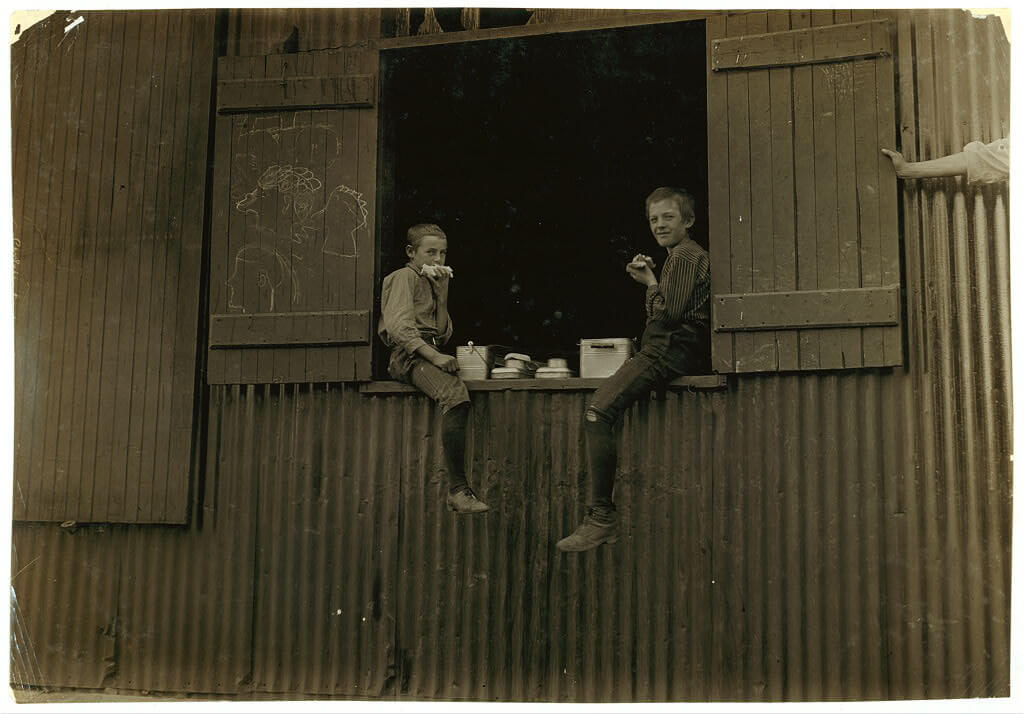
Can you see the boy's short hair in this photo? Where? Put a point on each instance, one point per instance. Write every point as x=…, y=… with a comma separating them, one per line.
x=418, y=231
x=687, y=206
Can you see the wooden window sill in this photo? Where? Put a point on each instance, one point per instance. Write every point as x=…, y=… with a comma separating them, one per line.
x=702, y=382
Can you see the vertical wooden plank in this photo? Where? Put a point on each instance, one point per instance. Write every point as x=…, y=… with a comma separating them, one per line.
x=305, y=260
x=822, y=17
x=97, y=79
x=366, y=278
x=283, y=197
x=40, y=150
x=61, y=207
x=168, y=227
x=347, y=178
x=44, y=78
x=763, y=356
x=718, y=195
x=184, y=378
x=25, y=70
x=219, y=215
x=320, y=360
x=139, y=499
x=94, y=491
x=233, y=278
x=804, y=182
x=124, y=491
x=783, y=211
x=826, y=198
x=916, y=326
x=888, y=218
x=849, y=227
x=270, y=229
x=53, y=285
x=161, y=341
x=741, y=255
x=867, y=174
x=81, y=127
x=109, y=496
x=251, y=68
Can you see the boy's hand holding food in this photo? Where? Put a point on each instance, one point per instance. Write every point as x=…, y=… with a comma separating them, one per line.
x=640, y=269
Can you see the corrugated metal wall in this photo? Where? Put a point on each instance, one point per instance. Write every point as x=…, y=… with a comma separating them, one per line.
x=110, y=141
x=830, y=535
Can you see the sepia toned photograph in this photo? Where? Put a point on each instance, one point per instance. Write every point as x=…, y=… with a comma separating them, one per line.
x=520, y=355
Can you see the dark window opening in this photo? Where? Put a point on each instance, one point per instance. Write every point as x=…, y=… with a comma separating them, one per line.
x=535, y=155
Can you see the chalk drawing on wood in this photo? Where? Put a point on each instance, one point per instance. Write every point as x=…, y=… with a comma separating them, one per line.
x=323, y=139
x=262, y=271
x=307, y=209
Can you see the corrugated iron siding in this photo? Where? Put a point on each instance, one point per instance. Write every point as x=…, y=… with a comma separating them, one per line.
x=489, y=609
x=821, y=536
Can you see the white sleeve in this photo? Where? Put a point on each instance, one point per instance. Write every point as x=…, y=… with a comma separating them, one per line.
x=988, y=163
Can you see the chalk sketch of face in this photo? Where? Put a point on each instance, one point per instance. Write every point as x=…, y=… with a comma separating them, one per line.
x=259, y=271
x=346, y=212
x=344, y=209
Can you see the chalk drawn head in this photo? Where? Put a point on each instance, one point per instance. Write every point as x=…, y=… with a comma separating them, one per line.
x=345, y=214
x=260, y=280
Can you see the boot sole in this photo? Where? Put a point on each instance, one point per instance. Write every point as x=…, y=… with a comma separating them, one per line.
x=453, y=509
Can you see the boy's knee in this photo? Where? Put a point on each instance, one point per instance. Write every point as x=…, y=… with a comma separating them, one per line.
x=456, y=396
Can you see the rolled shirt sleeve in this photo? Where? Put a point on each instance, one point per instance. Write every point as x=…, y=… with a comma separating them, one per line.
x=988, y=163
x=398, y=314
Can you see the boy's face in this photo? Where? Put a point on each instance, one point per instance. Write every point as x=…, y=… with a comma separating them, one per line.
x=667, y=222
x=432, y=250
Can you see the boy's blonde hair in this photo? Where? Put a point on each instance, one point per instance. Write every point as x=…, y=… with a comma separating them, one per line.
x=418, y=231
x=681, y=196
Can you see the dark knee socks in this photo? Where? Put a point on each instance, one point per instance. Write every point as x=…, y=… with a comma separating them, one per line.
x=601, y=459
x=453, y=438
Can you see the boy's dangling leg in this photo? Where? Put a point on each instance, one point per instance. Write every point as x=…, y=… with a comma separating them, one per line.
x=451, y=395
x=600, y=525
x=601, y=461
x=453, y=438
x=461, y=498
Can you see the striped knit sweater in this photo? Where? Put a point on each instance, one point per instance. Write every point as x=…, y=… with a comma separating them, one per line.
x=683, y=295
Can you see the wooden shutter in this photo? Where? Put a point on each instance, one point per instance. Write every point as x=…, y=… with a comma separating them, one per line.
x=110, y=120
x=803, y=217
x=292, y=262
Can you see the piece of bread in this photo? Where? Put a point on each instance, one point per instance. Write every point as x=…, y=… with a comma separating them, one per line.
x=436, y=271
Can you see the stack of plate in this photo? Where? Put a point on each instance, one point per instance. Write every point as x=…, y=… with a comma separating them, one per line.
x=509, y=373
x=553, y=372
x=556, y=369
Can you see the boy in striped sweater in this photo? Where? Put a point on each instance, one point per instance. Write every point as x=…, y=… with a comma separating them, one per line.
x=675, y=342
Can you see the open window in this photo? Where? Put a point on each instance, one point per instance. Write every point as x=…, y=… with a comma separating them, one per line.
x=535, y=155
x=804, y=235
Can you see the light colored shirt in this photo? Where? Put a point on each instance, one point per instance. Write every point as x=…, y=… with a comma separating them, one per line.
x=988, y=163
x=414, y=310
